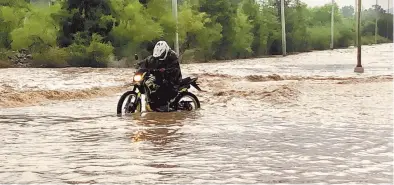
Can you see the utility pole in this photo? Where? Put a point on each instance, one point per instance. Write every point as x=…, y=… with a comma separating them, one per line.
x=388, y=13
x=282, y=2
x=359, y=68
x=376, y=22
x=175, y=14
x=332, y=24
x=356, y=18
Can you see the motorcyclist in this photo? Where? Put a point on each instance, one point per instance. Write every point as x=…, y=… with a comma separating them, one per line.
x=167, y=74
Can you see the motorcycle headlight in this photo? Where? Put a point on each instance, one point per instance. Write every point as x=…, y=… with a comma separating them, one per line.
x=137, y=78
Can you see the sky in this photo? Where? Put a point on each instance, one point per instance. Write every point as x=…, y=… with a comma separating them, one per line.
x=365, y=3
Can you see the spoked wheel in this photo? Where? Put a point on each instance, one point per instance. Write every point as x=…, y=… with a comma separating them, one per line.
x=187, y=101
x=129, y=103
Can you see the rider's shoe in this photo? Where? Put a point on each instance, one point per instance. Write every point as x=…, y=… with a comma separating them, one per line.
x=165, y=108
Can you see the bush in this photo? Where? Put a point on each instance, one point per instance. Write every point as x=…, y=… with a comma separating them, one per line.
x=367, y=40
x=54, y=57
x=97, y=54
x=4, y=54
x=188, y=56
x=77, y=55
x=319, y=37
x=345, y=36
x=381, y=40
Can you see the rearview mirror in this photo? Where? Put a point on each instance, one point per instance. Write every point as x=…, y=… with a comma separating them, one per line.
x=136, y=56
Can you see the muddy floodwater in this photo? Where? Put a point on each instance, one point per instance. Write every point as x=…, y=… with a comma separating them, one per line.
x=305, y=118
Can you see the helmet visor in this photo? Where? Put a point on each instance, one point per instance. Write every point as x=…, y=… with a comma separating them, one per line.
x=162, y=56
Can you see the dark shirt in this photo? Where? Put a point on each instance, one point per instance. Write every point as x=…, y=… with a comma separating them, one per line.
x=171, y=64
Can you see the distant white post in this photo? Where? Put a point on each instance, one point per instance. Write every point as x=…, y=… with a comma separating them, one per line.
x=332, y=24
x=283, y=27
x=175, y=14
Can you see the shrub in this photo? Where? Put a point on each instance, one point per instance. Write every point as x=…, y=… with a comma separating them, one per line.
x=97, y=54
x=4, y=54
x=370, y=39
x=345, y=36
x=319, y=37
x=188, y=56
x=54, y=57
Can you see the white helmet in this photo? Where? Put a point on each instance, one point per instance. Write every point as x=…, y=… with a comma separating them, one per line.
x=161, y=50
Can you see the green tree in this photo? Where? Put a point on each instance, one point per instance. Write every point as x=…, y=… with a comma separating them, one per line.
x=38, y=31
x=86, y=16
x=296, y=26
x=134, y=25
x=241, y=35
x=11, y=17
x=347, y=11
x=221, y=11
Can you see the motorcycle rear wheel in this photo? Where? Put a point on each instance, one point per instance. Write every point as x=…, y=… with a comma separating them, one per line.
x=178, y=103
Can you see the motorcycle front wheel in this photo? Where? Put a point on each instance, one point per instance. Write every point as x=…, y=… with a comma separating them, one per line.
x=128, y=103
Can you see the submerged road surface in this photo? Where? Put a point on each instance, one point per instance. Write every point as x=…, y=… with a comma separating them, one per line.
x=305, y=118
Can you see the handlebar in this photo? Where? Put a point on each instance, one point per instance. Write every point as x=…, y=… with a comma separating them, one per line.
x=158, y=70
x=165, y=69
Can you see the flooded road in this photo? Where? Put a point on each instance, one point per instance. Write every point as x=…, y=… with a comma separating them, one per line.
x=305, y=118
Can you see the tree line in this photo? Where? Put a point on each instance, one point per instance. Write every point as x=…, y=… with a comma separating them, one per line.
x=95, y=33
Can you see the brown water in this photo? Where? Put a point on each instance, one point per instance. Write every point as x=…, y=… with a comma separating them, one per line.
x=305, y=118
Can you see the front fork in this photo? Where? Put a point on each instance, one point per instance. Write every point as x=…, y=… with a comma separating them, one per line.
x=132, y=106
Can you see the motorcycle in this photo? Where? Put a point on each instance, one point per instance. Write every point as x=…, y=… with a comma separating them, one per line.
x=133, y=97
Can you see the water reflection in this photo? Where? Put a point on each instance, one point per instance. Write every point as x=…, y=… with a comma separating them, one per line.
x=159, y=128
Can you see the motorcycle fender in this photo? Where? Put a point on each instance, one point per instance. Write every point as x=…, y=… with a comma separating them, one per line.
x=195, y=85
